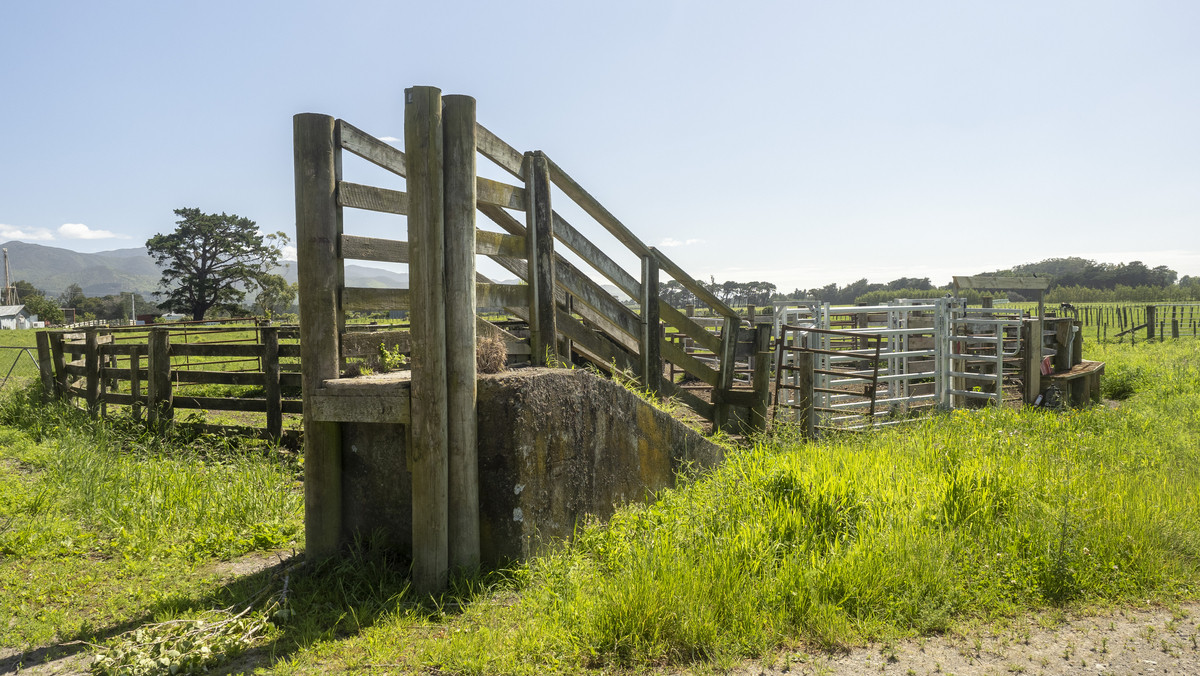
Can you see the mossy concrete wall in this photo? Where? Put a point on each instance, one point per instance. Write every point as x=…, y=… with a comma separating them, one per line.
x=554, y=445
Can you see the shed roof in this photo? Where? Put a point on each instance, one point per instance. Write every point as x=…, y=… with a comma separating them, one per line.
x=11, y=310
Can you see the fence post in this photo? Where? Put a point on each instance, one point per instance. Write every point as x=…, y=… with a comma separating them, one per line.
x=423, y=144
x=458, y=127
x=806, y=414
x=60, y=364
x=1151, y=313
x=722, y=409
x=539, y=238
x=135, y=381
x=45, y=366
x=270, y=367
x=316, y=155
x=159, y=409
x=91, y=367
x=762, y=375
x=1174, y=329
x=651, y=348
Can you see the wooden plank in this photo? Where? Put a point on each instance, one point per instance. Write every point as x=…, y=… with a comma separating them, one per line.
x=996, y=283
x=317, y=164
x=497, y=244
x=690, y=365
x=593, y=256
x=389, y=409
x=689, y=328
x=495, y=149
x=616, y=320
x=499, y=194
x=246, y=378
x=363, y=299
x=370, y=198
x=293, y=350
x=216, y=350
x=374, y=249
x=221, y=403
x=370, y=148
x=501, y=295
x=603, y=352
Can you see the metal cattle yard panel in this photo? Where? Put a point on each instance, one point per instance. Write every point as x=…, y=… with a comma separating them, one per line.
x=930, y=353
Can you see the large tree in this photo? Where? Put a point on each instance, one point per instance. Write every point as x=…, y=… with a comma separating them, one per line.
x=211, y=259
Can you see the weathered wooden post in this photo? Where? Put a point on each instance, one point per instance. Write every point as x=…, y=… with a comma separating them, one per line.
x=722, y=409
x=271, y=392
x=761, y=376
x=135, y=381
x=539, y=238
x=60, y=364
x=651, y=347
x=806, y=415
x=1151, y=317
x=423, y=145
x=318, y=230
x=45, y=365
x=458, y=128
x=91, y=367
x=159, y=408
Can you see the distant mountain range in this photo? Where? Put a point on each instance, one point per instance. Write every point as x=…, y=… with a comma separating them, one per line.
x=104, y=273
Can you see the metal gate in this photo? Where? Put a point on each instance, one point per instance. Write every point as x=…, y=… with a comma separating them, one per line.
x=880, y=365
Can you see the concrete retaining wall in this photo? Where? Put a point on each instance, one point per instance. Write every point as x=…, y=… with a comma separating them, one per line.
x=554, y=445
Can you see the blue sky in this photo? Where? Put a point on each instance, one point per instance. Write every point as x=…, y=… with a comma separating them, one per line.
x=793, y=142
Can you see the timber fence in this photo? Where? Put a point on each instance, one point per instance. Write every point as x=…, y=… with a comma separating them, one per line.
x=156, y=371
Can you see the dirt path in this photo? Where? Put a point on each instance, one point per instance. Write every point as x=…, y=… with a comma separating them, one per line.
x=1129, y=641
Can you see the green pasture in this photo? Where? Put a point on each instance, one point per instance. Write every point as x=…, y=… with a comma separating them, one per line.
x=961, y=518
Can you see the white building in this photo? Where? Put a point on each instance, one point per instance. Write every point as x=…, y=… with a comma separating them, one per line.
x=16, y=317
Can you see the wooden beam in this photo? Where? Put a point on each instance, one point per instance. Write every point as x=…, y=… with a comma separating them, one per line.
x=499, y=194
x=463, y=190
x=593, y=256
x=316, y=140
x=370, y=148
x=495, y=149
x=423, y=142
x=651, y=338
x=374, y=249
x=496, y=244
x=371, y=198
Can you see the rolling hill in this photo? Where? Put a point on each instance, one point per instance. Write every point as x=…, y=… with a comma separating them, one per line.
x=53, y=269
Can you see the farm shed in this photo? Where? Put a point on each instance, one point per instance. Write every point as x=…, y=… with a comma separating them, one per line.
x=16, y=317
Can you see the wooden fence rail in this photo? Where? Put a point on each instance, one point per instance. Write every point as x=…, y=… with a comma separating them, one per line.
x=145, y=370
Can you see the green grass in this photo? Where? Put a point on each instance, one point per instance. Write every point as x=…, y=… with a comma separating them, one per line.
x=963, y=517
x=103, y=524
